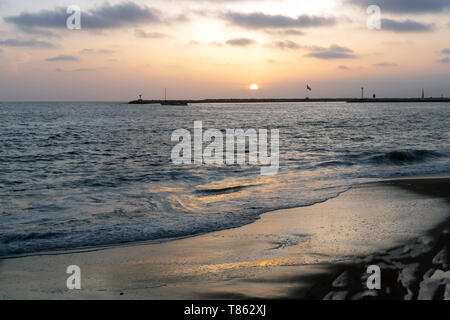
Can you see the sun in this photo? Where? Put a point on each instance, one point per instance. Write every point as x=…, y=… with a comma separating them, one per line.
x=254, y=87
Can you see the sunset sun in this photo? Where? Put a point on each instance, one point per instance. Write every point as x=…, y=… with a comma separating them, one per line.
x=254, y=87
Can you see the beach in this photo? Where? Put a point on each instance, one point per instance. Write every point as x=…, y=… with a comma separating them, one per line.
x=286, y=254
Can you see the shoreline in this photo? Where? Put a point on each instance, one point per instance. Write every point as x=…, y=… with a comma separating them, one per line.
x=165, y=240
x=260, y=260
x=144, y=242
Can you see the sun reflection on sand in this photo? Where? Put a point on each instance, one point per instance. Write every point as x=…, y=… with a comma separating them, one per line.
x=246, y=264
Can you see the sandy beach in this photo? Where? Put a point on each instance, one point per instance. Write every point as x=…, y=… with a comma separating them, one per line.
x=286, y=254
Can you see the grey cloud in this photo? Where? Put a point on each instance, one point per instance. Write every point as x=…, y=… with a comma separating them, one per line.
x=386, y=65
x=241, y=42
x=405, y=6
x=445, y=51
x=285, y=32
x=406, y=26
x=260, y=20
x=286, y=44
x=76, y=70
x=105, y=16
x=38, y=32
x=26, y=43
x=333, y=52
x=83, y=70
x=62, y=58
x=293, y=32
x=343, y=68
x=149, y=35
x=445, y=60
x=182, y=18
x=96, y=51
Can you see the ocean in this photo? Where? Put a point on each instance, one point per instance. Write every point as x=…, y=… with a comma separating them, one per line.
x=86, y=175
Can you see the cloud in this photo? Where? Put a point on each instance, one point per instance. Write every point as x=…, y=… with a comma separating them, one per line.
x=445, y=51
x=286, y=44
x=386, y=65
x=106, y=16
x=38, y=32
x=149, y=35
x=83, y=70
x=76, y=70
x=406, y=26
x=281, y=33
x=215, y=44
x=260, y=20
x=445, y=60
x=241, y=42
x=62, y=58
x=26, y=43
x=292, y=32
x=96, y=51
x=405, y=6
x=343, y=68
x=333, y=52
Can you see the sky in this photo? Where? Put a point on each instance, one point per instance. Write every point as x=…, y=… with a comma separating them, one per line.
x=217, y=49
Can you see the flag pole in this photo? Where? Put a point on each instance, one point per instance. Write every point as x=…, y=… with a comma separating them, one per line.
x=308, y=88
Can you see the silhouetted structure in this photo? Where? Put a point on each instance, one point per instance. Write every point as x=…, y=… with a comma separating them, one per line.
x=349, y=100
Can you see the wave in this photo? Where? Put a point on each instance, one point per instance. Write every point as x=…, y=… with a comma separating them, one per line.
x=29, y=236
x=336, y=164
x=405, y=157
x=223, y=190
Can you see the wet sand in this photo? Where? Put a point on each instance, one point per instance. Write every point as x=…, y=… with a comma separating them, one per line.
x=416, y=270
x=285, y=254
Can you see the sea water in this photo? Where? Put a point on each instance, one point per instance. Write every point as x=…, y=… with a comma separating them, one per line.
x=82, y=175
